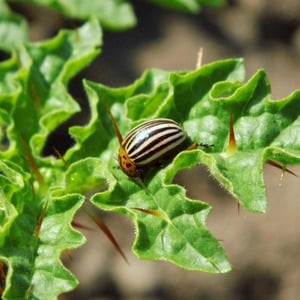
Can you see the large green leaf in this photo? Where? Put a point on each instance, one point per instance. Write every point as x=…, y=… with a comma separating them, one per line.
x=33, y=102
x=113, y=14
x=13, y=28
x=34, y=261
x=202, y=100
x=35, y=84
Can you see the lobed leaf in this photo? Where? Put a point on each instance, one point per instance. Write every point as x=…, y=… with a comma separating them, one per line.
x=35, y=85
x=112, y=14
x=163, y=235
x=33, y=101
x=170, y=226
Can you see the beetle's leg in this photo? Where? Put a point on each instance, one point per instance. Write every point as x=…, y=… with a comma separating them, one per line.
x=196, y=145
x=205, y=145
x=193, y=146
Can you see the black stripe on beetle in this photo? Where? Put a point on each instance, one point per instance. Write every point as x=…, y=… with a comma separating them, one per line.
x=153, y=140
x=150, y=144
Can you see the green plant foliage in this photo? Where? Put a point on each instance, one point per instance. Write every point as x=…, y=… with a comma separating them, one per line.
x=113, y=14
x=34, y=101
x=192, y=6
x=34, y=267
x=13, y=28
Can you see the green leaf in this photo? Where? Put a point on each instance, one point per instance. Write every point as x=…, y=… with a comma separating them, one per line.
x=202, y=100
x=113, y=14
x=165, y=236
x=13, y=29
x=33, y=262
x=34, y=101
x=192, y=6
x=35, y=84
x=50, y=277
x=10, y=181
x=260, y=129
x=96, y=174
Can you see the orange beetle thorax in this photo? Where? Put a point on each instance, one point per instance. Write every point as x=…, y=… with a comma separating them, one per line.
x=127, y=165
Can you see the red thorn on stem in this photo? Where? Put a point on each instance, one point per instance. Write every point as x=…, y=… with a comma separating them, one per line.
x=3, y=273
x=90, y=211
x=68, y=253
x=29, y=291
x=282, y=168
x=60, y=156
x=32, y=163
x=40, y=221
x=152, y=212
x=116, y=128
x=80, y=226
x=232, y=141
x=35, y=97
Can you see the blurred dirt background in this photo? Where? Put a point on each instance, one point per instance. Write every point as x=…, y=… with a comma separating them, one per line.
x=264, y=249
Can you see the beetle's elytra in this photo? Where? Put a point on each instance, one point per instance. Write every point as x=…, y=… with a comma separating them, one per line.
x=149, y=144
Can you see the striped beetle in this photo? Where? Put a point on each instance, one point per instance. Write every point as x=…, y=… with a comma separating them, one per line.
x=149, y=144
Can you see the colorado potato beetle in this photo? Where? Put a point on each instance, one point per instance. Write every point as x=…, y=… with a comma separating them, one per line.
x=149, y=144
